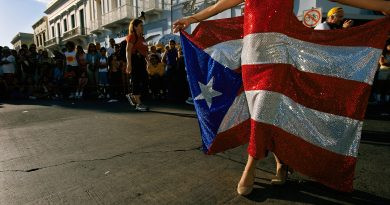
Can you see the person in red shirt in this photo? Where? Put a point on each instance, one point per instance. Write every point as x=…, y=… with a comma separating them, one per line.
x=136, y=54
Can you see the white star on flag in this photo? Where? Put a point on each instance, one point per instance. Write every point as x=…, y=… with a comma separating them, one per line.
x=207, y=92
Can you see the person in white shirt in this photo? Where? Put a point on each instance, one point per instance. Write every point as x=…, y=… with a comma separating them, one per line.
x=7, y=66
x=334, y=20
x=72, y=68
x=103, y=75
x=111, y=48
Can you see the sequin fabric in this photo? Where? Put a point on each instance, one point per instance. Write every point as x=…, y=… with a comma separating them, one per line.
x=318, y=139
x=347, y=62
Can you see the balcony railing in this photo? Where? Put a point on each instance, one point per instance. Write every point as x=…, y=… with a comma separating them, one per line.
x=148, y=5
x=192, y=6
x=96, y=25
x=75, y=32
x=121, y=13
x=53, y=41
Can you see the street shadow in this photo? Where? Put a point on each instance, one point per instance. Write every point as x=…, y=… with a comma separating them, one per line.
x=311, y=192
x=175, y=114
x=375, y=138
x=378, y=112
x=122, y=106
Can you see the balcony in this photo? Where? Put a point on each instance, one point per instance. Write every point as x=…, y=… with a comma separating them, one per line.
x=76, y=33
x=117, y=17
x=96, y=27
x=52, y=42
x=151, y=7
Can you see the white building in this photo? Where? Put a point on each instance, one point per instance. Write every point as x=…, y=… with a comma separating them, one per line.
x=22, y=38
x=67, y=22
x=40, y=32
x=111, y=18
x=86, y=21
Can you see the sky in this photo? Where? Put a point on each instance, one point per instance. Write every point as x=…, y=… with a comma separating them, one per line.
x=19, y=16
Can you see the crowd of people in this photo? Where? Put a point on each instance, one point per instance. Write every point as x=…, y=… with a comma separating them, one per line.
x=97, y=73
x=100, y=73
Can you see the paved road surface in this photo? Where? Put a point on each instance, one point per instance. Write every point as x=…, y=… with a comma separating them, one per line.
x=102, y=153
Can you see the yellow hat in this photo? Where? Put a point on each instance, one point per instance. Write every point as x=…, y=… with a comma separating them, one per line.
x=334, y=10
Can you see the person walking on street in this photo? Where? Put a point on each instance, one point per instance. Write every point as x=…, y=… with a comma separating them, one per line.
x=136, y=53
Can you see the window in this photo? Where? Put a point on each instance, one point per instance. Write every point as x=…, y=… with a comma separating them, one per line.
x=94, y=8
x=53, y=33
x=40, y=40
x=37, y=38
x=72, y=21
x=65, y=26
x=44, y=36
x=103, y=7
x=58, y=29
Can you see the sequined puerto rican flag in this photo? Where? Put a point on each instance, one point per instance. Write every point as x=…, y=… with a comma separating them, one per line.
x=305, y=92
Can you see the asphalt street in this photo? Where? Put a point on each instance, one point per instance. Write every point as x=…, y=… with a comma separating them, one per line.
x=55, y=152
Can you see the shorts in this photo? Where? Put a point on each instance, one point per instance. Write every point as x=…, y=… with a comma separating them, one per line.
x=103, y=79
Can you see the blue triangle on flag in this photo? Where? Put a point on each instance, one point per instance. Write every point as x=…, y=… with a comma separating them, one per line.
x=201, y=68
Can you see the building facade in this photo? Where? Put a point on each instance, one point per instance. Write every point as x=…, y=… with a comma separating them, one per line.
x=67, y=21
x=40, y=32
x=22, y=38
x=91, y=21
x=111, y=18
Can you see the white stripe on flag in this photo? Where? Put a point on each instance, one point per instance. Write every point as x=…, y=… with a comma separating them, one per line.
x=325, y=130
x=236, y=114
x=352, y=63
x=227, y=53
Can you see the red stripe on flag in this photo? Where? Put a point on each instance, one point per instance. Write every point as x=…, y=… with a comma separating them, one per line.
x=262, y=20
x=323, y=93
x=209, y=33
x=331, y=169
x=234, y=137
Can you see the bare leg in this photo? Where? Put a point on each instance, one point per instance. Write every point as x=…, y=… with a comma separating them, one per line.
x=245, y=186
x=278, y=163
x=281, y=172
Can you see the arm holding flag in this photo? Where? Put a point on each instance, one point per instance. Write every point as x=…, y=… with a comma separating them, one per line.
x=218, y=7
x=377, y=5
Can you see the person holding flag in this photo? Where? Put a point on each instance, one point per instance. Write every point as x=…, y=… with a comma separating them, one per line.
x=295, y=81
